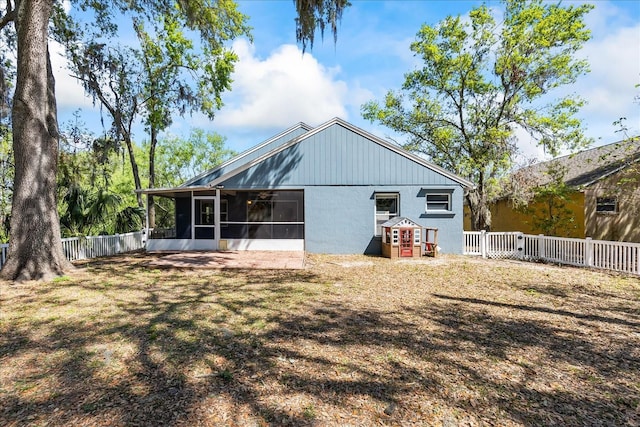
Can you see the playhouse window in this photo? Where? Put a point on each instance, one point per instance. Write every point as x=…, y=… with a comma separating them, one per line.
x=387, y=207
x=607, y=204
x=438, y=202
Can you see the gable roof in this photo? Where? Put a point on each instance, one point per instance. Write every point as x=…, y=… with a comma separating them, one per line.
x=337, y=121
x=400, y=221
x=247, y=155
x=277, y=144
x=587, y=167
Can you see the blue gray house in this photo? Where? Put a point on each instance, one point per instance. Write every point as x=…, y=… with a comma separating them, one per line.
x=324, y=190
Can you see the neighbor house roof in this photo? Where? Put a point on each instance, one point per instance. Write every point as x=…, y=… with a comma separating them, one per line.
x=216, y=176
x=584, y=168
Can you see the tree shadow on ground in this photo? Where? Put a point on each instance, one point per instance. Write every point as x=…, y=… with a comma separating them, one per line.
x=243, y=347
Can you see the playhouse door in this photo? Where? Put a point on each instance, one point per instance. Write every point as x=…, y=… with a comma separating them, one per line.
x=406, y=242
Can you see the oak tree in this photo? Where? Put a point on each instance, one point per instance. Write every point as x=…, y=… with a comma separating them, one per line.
x=35, y=250
x=482, y=78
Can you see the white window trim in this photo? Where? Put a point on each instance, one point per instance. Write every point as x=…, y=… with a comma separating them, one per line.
x=426, y=202
x=375, y=209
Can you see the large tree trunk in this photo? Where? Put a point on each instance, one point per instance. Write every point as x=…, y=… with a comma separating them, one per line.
x=35, y=248
x=479, y=207
x=134, y=168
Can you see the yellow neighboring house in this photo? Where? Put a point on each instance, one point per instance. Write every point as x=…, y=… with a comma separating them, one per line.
x=602, y=196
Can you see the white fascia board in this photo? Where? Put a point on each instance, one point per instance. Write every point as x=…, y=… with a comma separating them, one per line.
x=165, y=190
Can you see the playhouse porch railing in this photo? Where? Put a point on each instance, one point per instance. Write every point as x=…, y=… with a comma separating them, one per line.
x=77, y=248
x=616, y=256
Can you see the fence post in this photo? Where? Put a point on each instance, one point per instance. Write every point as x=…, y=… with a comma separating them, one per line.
x=541, y=249
x=483, y=243
x=588, y=251
x=520, y=245
x=117, y=243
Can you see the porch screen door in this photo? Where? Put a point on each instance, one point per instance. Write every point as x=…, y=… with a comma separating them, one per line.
x=204, y=217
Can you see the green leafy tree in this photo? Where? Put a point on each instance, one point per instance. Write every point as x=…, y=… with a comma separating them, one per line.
x=179, y=80
x=35, y=250
x=108, y=73
x=179, y=159
x=483, y=78
x=6, y=184
x=548, y=206
x=6, y=149
x=87, y=203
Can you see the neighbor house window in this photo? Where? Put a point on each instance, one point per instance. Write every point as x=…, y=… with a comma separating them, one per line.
x=607, y=204
x=387, y=207
x=438, y=202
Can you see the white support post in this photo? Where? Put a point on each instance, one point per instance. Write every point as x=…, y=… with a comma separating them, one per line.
x=520, y=245
x=541, y=247
x=588, y=252
x=216, y=218
x=193, y=217
x=146, y=219
x=483, y=243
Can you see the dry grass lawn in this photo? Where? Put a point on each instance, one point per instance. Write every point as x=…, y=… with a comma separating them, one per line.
x=347, y=341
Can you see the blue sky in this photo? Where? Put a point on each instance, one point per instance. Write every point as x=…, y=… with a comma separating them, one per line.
x=276, y=86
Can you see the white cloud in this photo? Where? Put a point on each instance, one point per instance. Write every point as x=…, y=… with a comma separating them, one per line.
x=285, y=88
x=70, y=94
x=614, y=57
x=615, y=69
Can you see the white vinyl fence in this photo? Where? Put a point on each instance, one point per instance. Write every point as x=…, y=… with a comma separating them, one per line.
x=617, y=256
x=76, y=248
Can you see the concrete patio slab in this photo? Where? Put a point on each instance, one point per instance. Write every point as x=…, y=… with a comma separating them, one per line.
x=262, y=260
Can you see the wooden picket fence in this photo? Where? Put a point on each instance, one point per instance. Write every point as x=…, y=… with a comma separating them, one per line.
x=617, y=256
x=76, y=248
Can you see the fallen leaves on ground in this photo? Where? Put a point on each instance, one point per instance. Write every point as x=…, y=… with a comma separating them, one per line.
x=353, y=340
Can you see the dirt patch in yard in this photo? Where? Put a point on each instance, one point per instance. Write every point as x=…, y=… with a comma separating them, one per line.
x=349, y=340
x=262, y=260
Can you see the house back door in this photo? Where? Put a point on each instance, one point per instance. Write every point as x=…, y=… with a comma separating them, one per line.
x=406, y=242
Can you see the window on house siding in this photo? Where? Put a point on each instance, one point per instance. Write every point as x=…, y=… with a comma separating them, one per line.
x=387, y=207
x=607, y=204
x=438, y=202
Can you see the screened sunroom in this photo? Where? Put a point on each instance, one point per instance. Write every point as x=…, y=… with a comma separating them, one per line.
x=224, y=219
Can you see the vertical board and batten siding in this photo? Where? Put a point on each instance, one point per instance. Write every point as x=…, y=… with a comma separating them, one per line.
x=336, y=156
x=340, y=172
x=248, y=155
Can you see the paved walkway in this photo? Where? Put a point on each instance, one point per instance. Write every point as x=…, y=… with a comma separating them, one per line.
x=264, y=260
